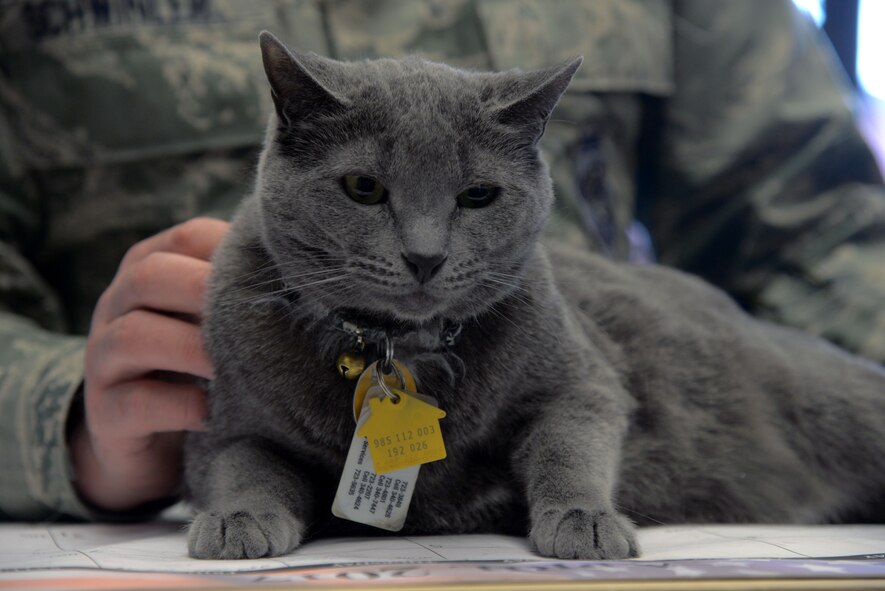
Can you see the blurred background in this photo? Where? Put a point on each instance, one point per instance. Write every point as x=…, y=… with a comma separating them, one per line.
x=856, y=29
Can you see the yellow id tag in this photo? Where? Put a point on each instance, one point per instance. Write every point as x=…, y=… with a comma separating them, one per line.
x=402, y=433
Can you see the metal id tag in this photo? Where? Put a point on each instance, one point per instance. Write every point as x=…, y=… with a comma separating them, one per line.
x=364, y=496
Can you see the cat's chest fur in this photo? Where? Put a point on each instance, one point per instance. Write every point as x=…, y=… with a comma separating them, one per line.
x=306, y=410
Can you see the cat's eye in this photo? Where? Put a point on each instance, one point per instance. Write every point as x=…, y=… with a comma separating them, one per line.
x=364, y=189
x=478, y=196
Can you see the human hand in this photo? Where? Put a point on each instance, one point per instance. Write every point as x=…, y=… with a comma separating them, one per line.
x=127, y=450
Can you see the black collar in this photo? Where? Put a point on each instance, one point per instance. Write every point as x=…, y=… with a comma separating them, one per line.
x=366, y=330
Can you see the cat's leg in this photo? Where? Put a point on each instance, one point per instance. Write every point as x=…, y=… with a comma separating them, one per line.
x=570, y=463
x=251, y=503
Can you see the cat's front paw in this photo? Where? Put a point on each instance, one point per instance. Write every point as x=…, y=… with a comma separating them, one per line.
x=243, y=534
x=584, y=534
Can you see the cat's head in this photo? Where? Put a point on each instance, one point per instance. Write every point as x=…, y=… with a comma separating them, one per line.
x=403, y=188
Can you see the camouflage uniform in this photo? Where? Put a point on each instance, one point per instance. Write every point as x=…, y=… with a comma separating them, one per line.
x=721, y=125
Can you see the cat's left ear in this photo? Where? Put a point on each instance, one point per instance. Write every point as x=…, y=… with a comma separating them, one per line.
x=537, y=94
x=296, y=90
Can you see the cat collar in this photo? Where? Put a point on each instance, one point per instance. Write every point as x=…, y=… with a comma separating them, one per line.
x=352, y=362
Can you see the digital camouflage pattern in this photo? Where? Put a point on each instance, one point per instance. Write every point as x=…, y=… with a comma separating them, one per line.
x=721, y=125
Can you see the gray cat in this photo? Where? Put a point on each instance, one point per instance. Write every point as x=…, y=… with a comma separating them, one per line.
x=408, y=198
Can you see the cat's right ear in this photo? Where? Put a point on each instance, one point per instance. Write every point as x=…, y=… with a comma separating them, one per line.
x=531, y=97
x=296, y=92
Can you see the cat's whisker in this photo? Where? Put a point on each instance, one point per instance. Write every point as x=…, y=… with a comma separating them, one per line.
x=271, y=264
x=324, y=256
x=508, y=275
x=322, y=261
x=492, y=277
x=497, y=312
x=495, y=271
x=295, y=310
x=261, y=269
x=288, y=277
x=643, y=515
x=515, y=286
x=521, y=297
x=324, y=271
x=494, y=311
x=284, y=291
x=300, y=286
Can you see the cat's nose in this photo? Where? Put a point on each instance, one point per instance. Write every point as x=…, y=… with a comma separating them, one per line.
x=424, y=267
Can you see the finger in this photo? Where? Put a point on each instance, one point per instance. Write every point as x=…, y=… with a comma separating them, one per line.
x=139, y=408
x=120, y=474
x=196, y=238
x=161, y=281
x=140, y=342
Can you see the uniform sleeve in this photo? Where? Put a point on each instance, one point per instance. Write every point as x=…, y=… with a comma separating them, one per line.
x=40, y=368
x=40, y=373
x=766, y=187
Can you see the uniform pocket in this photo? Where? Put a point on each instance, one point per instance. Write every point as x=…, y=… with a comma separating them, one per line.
x=626, y=44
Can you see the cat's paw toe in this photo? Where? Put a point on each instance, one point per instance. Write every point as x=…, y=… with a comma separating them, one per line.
x=584, y=534
x=242, y=534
